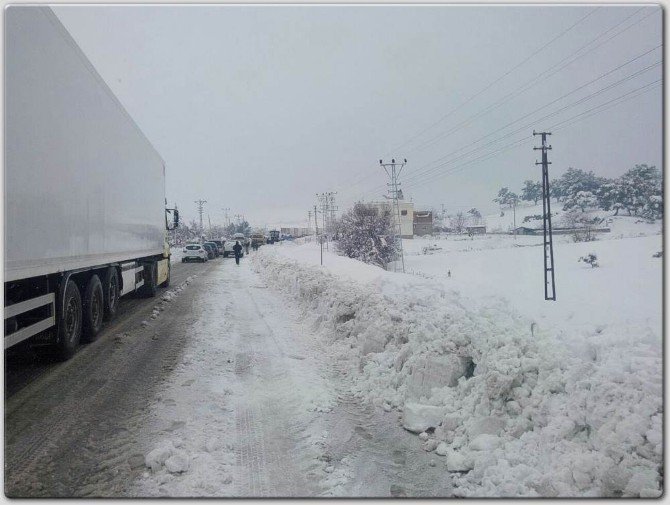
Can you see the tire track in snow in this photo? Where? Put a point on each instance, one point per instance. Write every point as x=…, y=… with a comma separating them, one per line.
x=273, y=453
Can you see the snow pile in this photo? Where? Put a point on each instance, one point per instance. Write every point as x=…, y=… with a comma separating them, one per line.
x=169, y=456
x=514, y=410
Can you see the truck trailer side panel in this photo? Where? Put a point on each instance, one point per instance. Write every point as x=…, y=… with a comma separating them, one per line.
x=83, y=185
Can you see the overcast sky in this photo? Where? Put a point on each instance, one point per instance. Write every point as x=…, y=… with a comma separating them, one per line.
x=258, y=108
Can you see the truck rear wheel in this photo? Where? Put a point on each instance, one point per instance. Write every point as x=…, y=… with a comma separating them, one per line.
x=150, y=280
x=110, y=287
x=69, y=328
x=93, y=309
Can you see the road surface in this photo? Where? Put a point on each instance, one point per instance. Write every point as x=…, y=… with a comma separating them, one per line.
x=224, y=392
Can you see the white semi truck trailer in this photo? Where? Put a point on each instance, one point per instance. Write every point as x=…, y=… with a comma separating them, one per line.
x=84, y=194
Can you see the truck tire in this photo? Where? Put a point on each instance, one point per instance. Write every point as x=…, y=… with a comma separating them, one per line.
x=69, y=328
x=166, y=282
x=110, y=288
x=93, y=308
x=150, y=281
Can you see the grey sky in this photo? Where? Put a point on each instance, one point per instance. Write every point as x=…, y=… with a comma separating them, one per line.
x=257, y=108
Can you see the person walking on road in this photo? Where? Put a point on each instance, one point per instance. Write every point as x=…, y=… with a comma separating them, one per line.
x=237, y=248
x=246, y=247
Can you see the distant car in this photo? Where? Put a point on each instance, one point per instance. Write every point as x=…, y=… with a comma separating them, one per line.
x=214, y=247
x=229, y=244
x=219, y=245
x=194, y=252
x=210, y=250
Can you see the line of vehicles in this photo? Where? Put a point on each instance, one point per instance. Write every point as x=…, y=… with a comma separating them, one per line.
x=209, y=250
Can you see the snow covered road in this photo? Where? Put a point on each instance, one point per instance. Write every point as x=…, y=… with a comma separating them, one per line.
x=218, y=387
x=257, y=409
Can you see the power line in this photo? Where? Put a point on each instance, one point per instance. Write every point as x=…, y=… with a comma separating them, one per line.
x=523, y=141
x=420, y=172
x=546, y=74
x=498, y=79
x=535, y=80
x=568, y=122
x=428, y=170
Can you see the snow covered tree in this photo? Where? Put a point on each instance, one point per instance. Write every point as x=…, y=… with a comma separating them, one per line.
x=575, y=180
x=556, y=190
x=653, y=209
x=610, y=195
x=503, y=196
x=506, y=198
x=475, y=216
x=241, y=227
x=582, y=200
x=457, y=222
x=366, y=233
x=531, y=191
x=643, y=191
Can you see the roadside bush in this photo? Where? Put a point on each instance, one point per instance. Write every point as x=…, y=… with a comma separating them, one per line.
x=590, y=259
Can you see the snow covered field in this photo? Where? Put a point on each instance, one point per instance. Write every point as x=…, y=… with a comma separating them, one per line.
x=521, y=396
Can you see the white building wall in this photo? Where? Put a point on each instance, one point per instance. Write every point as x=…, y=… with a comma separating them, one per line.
x=406, y=216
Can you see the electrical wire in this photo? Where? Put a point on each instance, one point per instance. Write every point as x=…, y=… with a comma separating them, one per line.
x=569, y=60
x=497, y=80
x=427, y=170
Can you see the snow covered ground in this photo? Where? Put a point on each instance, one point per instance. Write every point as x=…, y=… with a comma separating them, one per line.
x=518, y=395
x=257, y=407
x=237, y=405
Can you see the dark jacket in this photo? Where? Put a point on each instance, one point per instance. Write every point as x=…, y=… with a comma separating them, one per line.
x=237, y=248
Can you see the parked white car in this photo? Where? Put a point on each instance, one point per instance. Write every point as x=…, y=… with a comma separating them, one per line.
x=193, y=252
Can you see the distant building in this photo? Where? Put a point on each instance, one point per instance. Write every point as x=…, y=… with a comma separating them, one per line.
x=406, y=216
x=294, y=231
x=476, y=230
x=423, y=223
x=524, y=230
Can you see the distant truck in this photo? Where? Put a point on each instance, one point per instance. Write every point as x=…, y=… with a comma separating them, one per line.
x=85, y=216
x=258, y=239
x=274, y=236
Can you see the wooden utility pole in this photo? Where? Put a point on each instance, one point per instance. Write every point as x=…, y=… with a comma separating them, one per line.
x=548, y=246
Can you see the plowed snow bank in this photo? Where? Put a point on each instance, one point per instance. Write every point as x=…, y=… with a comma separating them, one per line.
x=519, y=412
